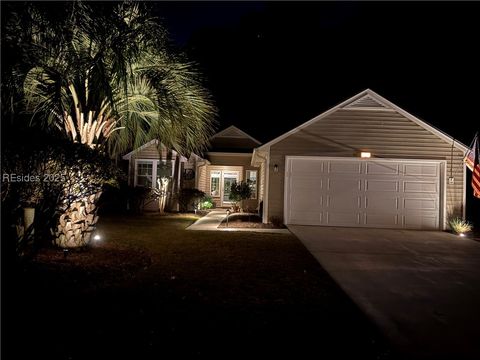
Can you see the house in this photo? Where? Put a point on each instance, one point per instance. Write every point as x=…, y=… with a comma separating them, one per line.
x=363, y=163
x=228, y=160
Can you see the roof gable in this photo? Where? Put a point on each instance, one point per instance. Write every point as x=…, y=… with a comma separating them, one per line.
x=366, y=102
x=234, y=132
x=369, y=100
x=144, y=146
x=153, y=142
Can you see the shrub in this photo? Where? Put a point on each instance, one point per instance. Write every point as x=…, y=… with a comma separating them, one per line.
x=187, y=197
x=460, y=226
x=206, y=203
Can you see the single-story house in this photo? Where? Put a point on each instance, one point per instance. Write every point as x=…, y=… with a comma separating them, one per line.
x=227, y=160
x=363, y=163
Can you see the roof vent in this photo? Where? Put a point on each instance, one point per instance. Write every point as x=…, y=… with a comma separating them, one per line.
x=365, y=102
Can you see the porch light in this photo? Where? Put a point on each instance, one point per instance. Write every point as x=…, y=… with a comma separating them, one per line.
x=275, y=168
x=97, y=237
x=365, y=154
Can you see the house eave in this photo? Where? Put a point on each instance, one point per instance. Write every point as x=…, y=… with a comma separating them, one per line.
x=220, y=134
x=131, y=153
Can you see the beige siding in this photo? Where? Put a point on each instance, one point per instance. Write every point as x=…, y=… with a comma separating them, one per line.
x=202, y=178
x=384, y=133
x=151, y=152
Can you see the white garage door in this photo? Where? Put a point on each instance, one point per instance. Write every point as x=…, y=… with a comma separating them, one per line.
x=364, y=193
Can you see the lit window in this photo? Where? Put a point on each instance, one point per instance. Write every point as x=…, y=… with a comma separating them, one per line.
x=144, y=173
x=215, y=183
x=252, y=181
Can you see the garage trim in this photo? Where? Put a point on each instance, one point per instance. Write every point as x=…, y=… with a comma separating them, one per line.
x=442, y=180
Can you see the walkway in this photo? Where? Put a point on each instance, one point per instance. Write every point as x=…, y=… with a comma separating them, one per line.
x=214, y=218
x=209, y=221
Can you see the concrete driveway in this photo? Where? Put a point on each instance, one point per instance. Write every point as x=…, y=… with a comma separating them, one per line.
x=422, y=288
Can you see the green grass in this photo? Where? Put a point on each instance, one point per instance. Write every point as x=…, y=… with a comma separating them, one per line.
x=152, y=289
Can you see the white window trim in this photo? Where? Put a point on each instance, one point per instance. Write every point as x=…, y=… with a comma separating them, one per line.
x=231, y=174
x=154, y=163
x=219, y=177
x=255, y=193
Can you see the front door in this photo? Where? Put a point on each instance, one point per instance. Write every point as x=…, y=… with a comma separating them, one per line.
x=229, y=177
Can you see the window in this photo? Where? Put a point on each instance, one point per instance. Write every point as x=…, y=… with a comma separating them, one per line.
x=149, y=171
x=144, y=173
x=215, y=183
x=252, y=180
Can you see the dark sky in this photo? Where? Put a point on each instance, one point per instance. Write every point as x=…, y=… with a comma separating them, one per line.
x=274, y=65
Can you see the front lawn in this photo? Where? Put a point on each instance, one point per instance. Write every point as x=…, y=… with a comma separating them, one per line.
x=152, y=290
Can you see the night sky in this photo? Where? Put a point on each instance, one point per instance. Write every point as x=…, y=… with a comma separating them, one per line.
x=271, y=66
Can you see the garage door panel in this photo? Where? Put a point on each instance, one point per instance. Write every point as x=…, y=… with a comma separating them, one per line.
x=342, y=184
x=382, y=169
x=343, y=202
x=307, y=183
x=344, y=167
x=302, y=201
x=381, y=220
x=420, y=221
x=420, y=204
x=384, y=203
x=430, y=170
x=337, y=218
x=368, y=193
x=306, y=166
x=381, y=185
x=420, y=187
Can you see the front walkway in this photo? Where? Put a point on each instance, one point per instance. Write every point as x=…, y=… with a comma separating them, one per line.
x=209, y=221
x=214, y=218
x=421, y=287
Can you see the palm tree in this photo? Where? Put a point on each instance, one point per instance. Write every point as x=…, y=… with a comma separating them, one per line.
x=111, y=80
x=106, y=76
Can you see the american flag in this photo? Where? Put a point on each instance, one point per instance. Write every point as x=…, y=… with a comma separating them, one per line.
x=472, y=160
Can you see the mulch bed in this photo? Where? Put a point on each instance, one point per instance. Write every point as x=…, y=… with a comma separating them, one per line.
x=251, y=221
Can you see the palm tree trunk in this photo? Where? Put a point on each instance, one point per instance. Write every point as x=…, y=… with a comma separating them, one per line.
x=77, y=223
